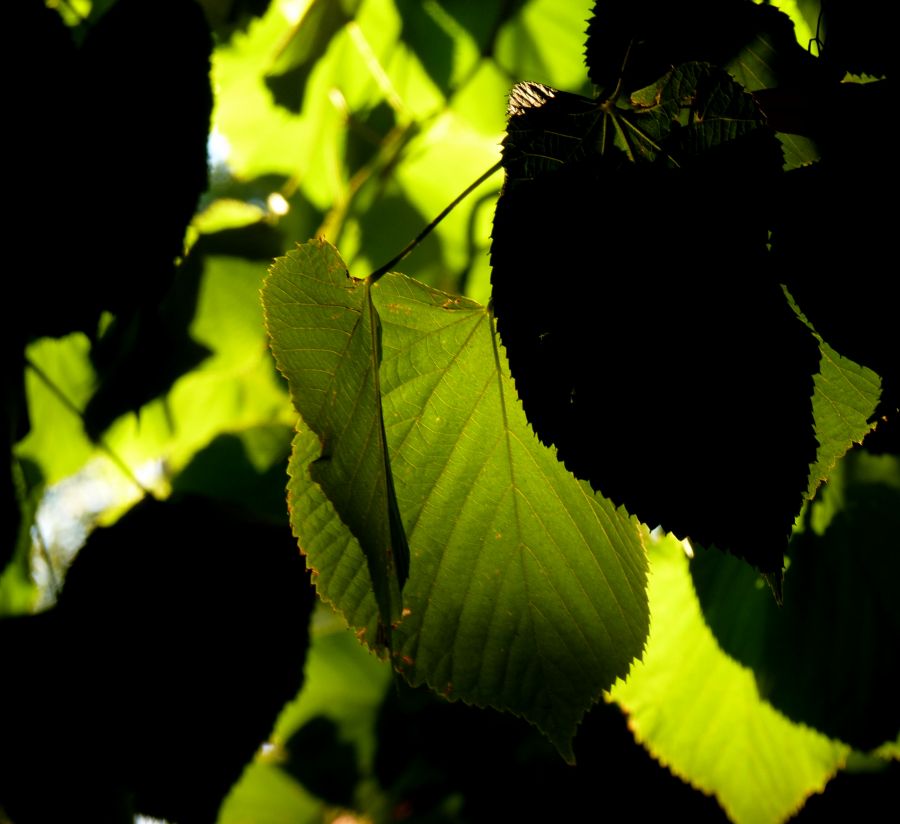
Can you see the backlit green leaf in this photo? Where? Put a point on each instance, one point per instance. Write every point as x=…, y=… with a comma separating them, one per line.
x=525, y=590
x=700, y=712
x=845, y=398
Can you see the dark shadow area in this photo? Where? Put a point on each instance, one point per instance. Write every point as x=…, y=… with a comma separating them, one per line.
x=859, y=37
x=829, y=657
x=110, y=164
x=228, y=16
x=829, y=242
x=366, y=133
x=140, y=356
x=113, y=160
x=225, y=471
x=854, y=796
x=446, y=762
x=483, y=20
x=180, y=633
x=637, y=41
x=322, y=762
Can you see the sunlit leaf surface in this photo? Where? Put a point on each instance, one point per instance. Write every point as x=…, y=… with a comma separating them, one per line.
x=700, y=712
x=525, y=590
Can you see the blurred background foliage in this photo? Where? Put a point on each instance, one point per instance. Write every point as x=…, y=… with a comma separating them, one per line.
x=359, y=120
x=366, y=119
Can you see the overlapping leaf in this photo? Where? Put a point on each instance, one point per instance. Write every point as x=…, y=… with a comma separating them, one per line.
x=326, y=337
x=526, y=592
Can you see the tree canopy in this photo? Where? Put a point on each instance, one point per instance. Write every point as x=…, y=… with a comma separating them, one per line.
x=602, y=471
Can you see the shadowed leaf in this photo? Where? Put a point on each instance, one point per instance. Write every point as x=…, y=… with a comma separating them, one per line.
x=631, y=42
x=827, y=658
x=326, y=337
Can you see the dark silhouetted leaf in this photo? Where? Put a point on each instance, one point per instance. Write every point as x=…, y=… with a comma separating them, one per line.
x=859, y=37
x=814, y=228
x=632, y=42
x=630, y=281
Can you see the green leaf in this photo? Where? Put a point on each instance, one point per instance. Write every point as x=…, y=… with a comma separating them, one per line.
x=845, y=397
x=326, y=336
x=844, y=401
x=545, y=39
x=526, y=591
x=531, y=597
x=267, y=795
x=18, y=591
x=235, y=388
x=700, y=712
x=307, y=44
x=56, y=441
x=798, y=150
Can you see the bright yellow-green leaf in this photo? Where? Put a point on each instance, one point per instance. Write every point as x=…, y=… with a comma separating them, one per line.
x=699, y=712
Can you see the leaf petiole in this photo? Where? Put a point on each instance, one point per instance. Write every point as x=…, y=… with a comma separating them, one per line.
x=383, y=270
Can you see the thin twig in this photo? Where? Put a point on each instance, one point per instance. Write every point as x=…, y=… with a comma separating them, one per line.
x=383, y=270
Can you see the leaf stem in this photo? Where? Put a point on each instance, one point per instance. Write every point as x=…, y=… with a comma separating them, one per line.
x=383, y=270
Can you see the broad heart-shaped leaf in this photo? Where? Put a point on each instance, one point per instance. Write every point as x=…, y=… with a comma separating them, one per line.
x=700, y=713
x=526, y=591
x=326, y=338
x=647, y=337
